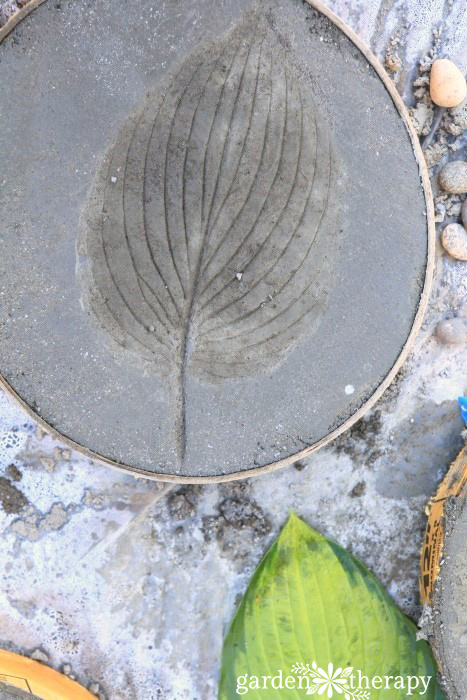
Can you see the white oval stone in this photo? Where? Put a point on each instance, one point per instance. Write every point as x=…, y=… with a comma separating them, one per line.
x=453, y=177
x=454, y=240
x=452, y=330
x=447, y=84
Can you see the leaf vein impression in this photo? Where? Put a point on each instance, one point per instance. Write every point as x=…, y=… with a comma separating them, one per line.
x=214, y=262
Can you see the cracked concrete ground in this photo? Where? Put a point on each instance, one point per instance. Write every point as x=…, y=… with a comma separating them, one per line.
x=129, y=585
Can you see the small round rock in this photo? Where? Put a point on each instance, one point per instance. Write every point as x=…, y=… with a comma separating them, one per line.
x=453, y=177
x=447, y=84
x=452, y=330
x=454, y=240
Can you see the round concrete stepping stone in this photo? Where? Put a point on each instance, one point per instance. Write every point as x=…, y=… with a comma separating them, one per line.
x=449, y=633
x=216, y=244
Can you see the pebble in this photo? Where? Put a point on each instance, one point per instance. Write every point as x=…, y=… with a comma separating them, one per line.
x=464, y=214
x=95, y=689
x=453, y=177
x=13, y=473
x=67, y=671
x=39, y=655
x=452, y=330
x=454, y=240
x=440, y=212
x=447, y=84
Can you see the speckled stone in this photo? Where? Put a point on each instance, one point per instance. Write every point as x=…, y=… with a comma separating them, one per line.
x=453, y=177
x=454, y=240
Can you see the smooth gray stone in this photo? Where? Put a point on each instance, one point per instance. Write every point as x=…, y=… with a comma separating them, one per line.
x=212, y=225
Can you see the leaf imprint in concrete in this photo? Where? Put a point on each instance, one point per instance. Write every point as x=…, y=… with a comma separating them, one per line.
x=215, y=243
x=207, y=214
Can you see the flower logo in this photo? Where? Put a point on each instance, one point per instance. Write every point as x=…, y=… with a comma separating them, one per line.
x=329, y=682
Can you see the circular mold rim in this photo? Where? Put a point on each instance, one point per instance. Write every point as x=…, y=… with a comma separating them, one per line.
x=369, y=403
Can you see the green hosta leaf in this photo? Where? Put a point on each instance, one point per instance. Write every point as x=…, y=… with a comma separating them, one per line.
x=311, y=604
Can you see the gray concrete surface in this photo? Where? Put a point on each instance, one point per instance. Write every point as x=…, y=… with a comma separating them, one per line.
x=11, y=693
x=450, y=601
x=188, y=369
x=133, y=587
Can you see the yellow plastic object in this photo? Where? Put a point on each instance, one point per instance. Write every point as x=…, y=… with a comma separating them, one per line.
x=432, y=550
x=39, y=680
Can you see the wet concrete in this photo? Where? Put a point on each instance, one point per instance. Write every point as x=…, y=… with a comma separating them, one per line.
x=136, y=336
x=426, y=442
